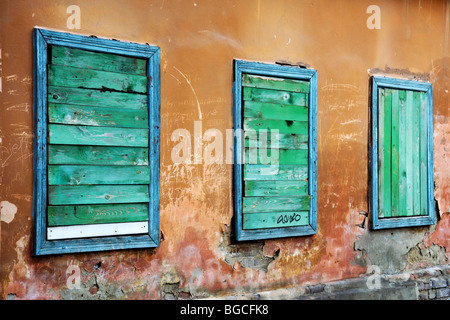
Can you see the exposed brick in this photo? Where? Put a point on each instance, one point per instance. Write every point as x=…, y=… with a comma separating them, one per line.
x=438, y=283
x=443, y=293
x=315, y=288
x=423, y=295
x=432, y=294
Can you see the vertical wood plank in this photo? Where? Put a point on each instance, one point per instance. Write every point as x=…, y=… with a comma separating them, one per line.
x=423, y=154
x=416, y=153
x=381, y=146
x=409, y=153
x=387, y=189
x=402, y=153
x=395, y=153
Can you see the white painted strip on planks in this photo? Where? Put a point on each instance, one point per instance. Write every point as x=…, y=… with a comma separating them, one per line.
x=96, y=230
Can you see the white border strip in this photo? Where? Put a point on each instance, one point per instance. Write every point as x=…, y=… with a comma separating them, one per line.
x=96, y=230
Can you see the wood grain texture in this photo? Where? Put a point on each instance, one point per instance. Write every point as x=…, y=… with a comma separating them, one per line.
x=265, y=82
x=96, y=214
x=275, y=172
x=97, y=175
x=275, y=156
x=275, y=204
x=99, y=194
x=97, y=98
x=274, y=111
x=275, y=96
x=93, y=79
x=99, y=136
x=395, y=171
x=275, y=188
x=97, y=155
x=277, y=140
x=78, y=58
x=275, y=220
x=283, y=126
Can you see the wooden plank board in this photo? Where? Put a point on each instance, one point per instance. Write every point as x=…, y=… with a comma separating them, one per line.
x=409, y=153
x=95, y=230
x=263, y=110
x=275, y=204
x=416, y=154
x=97, y=98
x=79, y=58
x=381, y=116
x=95, y=175
x=275, y=220
x=275, y=96
x=97, y=155
x=101, y=194
x=93, y=79
x=275, y=172
x=275, y=188
x=96, y=214
x=283, y=126
x=423, y=159
x=402, y=153
x=97, y=116
x=386, y=188
x=106, y=136
x=264, y=82
x=395, y=154
x=269, y=156
x=280, y=141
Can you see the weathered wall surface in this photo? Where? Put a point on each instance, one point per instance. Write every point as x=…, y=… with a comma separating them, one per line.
x=199, y=39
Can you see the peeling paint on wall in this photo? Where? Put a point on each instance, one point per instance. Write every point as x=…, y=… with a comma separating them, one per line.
x=8, y=211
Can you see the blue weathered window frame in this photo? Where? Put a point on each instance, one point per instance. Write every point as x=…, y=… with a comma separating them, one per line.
x=410, y=221
x=286, y=72
x=42, y=38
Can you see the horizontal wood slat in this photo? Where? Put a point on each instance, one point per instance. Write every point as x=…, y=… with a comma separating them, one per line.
x=275, y=204
x=97, y=116
x=97, y=98
x=275, y=83
x=89, y=175
x=275, y=220
x=78, y=58
x=93, y=79
x=275, y=188
x=106, y=136
x=98, y=194
x=275, y=172
x=95, y=230
x=274, y=111
x=275, y=96
x=96, y=214
x=283, y=126
x=97, y=155
x=280, y=141
x=270, y=156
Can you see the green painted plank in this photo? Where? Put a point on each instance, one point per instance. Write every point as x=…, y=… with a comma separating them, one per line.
x=275, y=188
x=78, y=58
x=97, y=155
x=93, y=79
x=280, y=141
x=387, y=151
x=275, y=204
x=86, y=135
x=275, y=220
x=416, y=154
x=269, y=156
x=275, y=96
x=67, y=195
x=96, y=214
x=274, y=111
x=402, y=153
x=409, y=153
x=395, y=154
x=82, y=175
x=97, y=98
x=275, y=172
x=283, y=126
x=97, y=116
x=423, y=155
x=275, y=83
x=381, y=116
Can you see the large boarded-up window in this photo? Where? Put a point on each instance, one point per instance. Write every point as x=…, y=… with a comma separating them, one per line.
x=275, y=151
x=402, y=157
x=96, y=158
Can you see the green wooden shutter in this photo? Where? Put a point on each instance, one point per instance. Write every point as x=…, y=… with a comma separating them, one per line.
x=402, y=153
x=98, y=144
x=275, y=195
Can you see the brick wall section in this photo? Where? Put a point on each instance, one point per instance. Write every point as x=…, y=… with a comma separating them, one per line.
x=434, y=287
